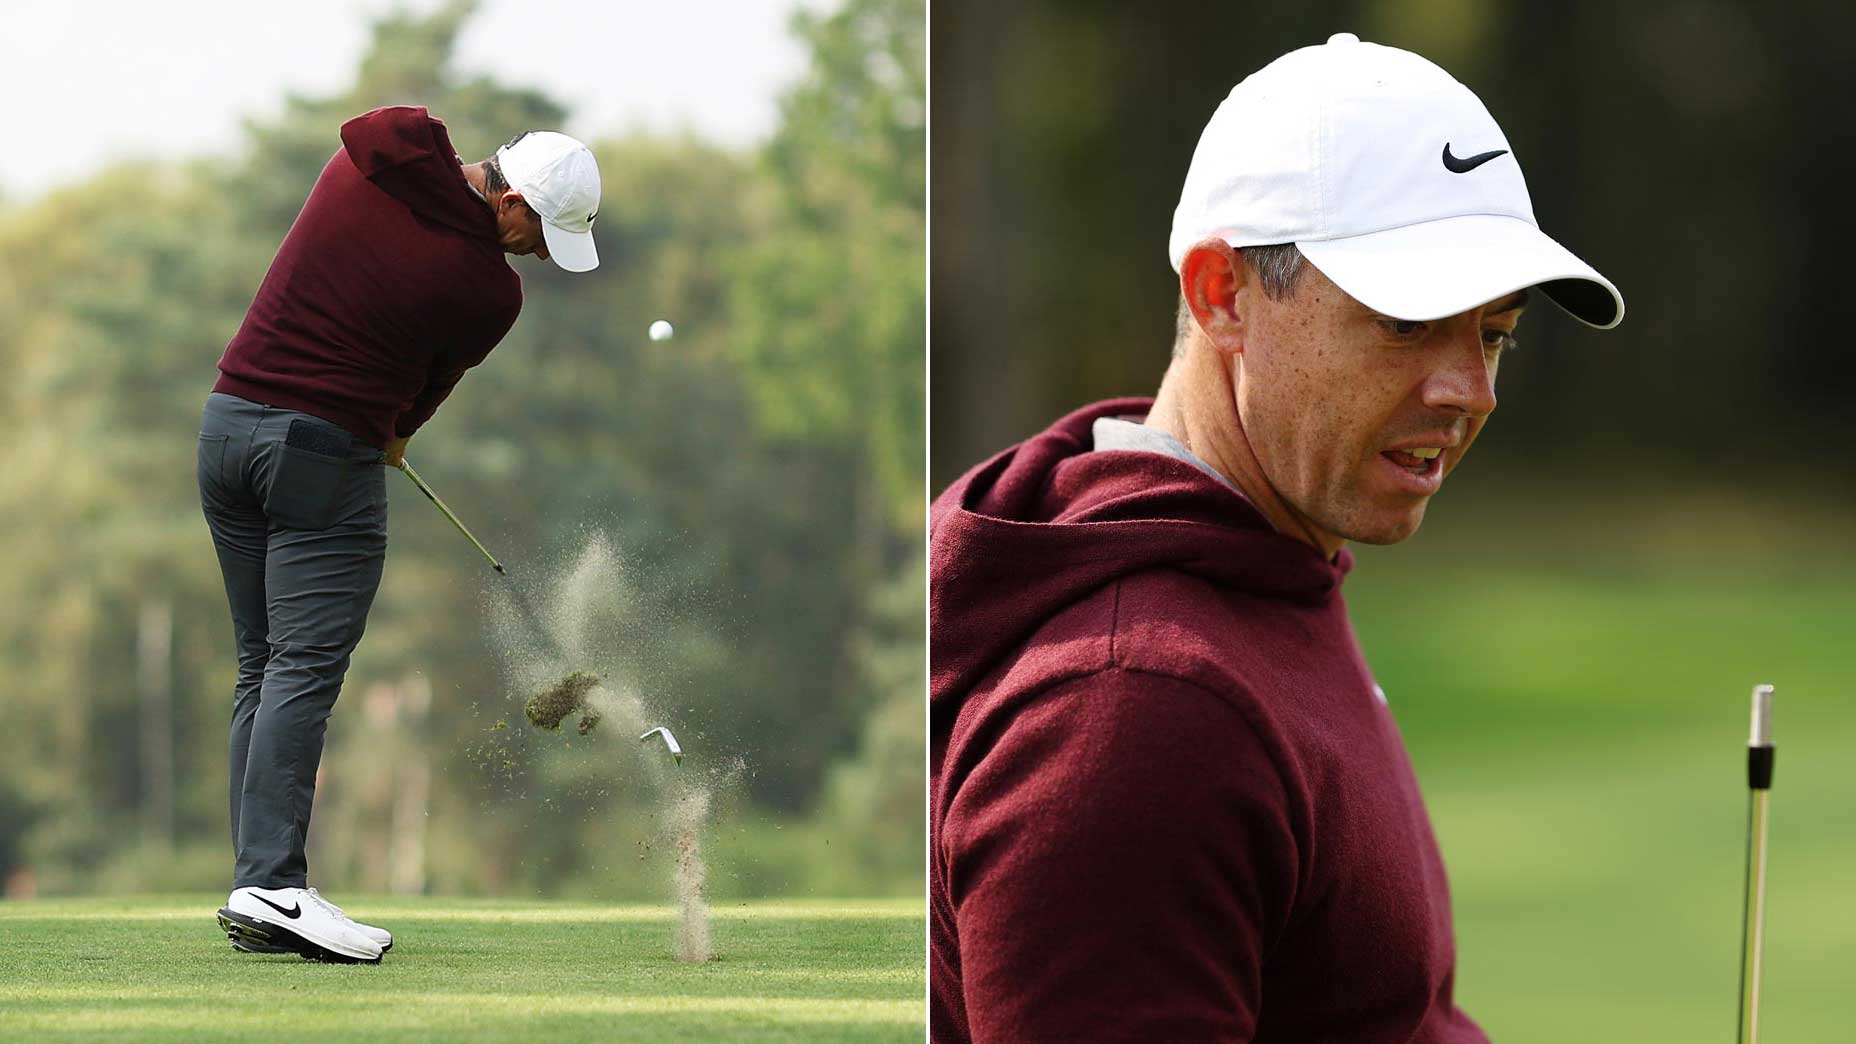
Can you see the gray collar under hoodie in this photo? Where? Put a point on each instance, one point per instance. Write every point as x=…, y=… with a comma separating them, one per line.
x=1128, y=433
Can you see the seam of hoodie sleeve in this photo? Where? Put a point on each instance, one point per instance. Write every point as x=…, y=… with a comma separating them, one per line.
x=1246, y=713
x=1114, y=625
x=950, y=836
x=1267, y=739
x=1241, y=707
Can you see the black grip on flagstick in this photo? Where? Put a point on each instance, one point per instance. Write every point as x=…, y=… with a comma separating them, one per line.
x=1759, y=762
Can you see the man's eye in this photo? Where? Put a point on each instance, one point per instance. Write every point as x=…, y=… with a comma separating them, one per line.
x=1499, y=340
x=1401, y=327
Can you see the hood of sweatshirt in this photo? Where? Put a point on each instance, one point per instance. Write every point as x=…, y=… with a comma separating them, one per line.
x=408, y=154
x=1043, y=524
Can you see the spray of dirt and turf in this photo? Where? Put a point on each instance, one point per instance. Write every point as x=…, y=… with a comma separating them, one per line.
x=582, y=609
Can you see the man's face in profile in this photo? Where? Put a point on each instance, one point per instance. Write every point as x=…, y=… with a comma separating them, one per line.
x=518, y=227
x=1343, y=406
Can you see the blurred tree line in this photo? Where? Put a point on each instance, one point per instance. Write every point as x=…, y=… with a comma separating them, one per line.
x=759, y=477
x=1688, y=149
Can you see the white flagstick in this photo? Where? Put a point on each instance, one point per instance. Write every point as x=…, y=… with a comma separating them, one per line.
x=1760, y=756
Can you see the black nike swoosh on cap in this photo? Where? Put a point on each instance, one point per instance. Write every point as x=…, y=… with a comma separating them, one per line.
x=296, y=911
x=1464, y=166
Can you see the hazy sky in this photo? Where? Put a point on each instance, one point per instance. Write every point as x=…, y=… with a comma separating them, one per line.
x=87, y=81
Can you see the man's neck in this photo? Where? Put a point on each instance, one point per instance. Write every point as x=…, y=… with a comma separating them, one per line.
x=1197, y=404
x=473, y=173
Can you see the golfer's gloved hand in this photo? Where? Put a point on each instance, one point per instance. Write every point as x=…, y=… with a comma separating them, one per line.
x=396, y=451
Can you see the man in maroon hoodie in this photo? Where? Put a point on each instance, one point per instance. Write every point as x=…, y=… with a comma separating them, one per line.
x=1168, y=802
x=389, y=286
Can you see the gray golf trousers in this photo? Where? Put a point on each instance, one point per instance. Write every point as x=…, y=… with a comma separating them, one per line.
x=298, y=513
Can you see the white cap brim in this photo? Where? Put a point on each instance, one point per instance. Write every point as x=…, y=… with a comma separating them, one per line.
x=1440, y=268
x=573, y=251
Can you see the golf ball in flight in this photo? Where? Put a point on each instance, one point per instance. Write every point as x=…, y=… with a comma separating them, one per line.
x=661, y=331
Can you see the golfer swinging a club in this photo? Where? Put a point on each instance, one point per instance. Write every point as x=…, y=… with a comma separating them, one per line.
x=389, y=286
x=1168, y=801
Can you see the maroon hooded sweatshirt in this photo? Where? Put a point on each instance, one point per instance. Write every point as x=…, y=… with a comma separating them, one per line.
x=1166, y=801
x=389, y=286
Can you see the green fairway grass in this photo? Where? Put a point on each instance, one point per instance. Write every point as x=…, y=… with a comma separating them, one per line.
x=158, y=969
x=1578, y=720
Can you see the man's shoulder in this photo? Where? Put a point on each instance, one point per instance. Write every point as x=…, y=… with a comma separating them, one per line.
x=1161, y=620
x=1109, y=724
x=1163, y=625
x=1169, y=621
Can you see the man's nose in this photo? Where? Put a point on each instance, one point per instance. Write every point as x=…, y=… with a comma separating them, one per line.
x=1465, y=380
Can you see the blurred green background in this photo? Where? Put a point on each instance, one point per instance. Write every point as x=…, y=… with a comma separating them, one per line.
x=759, y=477
x=1656, y=519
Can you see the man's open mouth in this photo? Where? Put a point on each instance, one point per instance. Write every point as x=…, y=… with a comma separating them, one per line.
x=1418, y=461
x=1418, y=471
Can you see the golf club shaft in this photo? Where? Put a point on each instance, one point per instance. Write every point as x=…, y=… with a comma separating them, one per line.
x=527, y=611
x=534, y=621
x=1760, y=759
x=406, y=466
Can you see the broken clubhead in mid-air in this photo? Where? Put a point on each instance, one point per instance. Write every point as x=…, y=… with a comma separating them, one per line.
x=669, y=741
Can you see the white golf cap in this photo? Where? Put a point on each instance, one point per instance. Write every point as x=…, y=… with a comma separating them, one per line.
x=557, y=176
x=1392, y=179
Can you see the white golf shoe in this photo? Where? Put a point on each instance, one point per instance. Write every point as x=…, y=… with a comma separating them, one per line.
x=382, y=938
x=298, y=919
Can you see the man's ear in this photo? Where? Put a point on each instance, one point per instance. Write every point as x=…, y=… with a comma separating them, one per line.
x=1210, y=280
x=511, y=198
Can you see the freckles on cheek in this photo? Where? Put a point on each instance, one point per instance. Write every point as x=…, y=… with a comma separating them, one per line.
x=1310, y=408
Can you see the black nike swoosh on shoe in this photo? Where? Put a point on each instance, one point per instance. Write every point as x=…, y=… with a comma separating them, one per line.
x=1467, y=164
x=293, y=912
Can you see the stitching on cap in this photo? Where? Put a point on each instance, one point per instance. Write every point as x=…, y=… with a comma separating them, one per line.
x=1321, y=169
